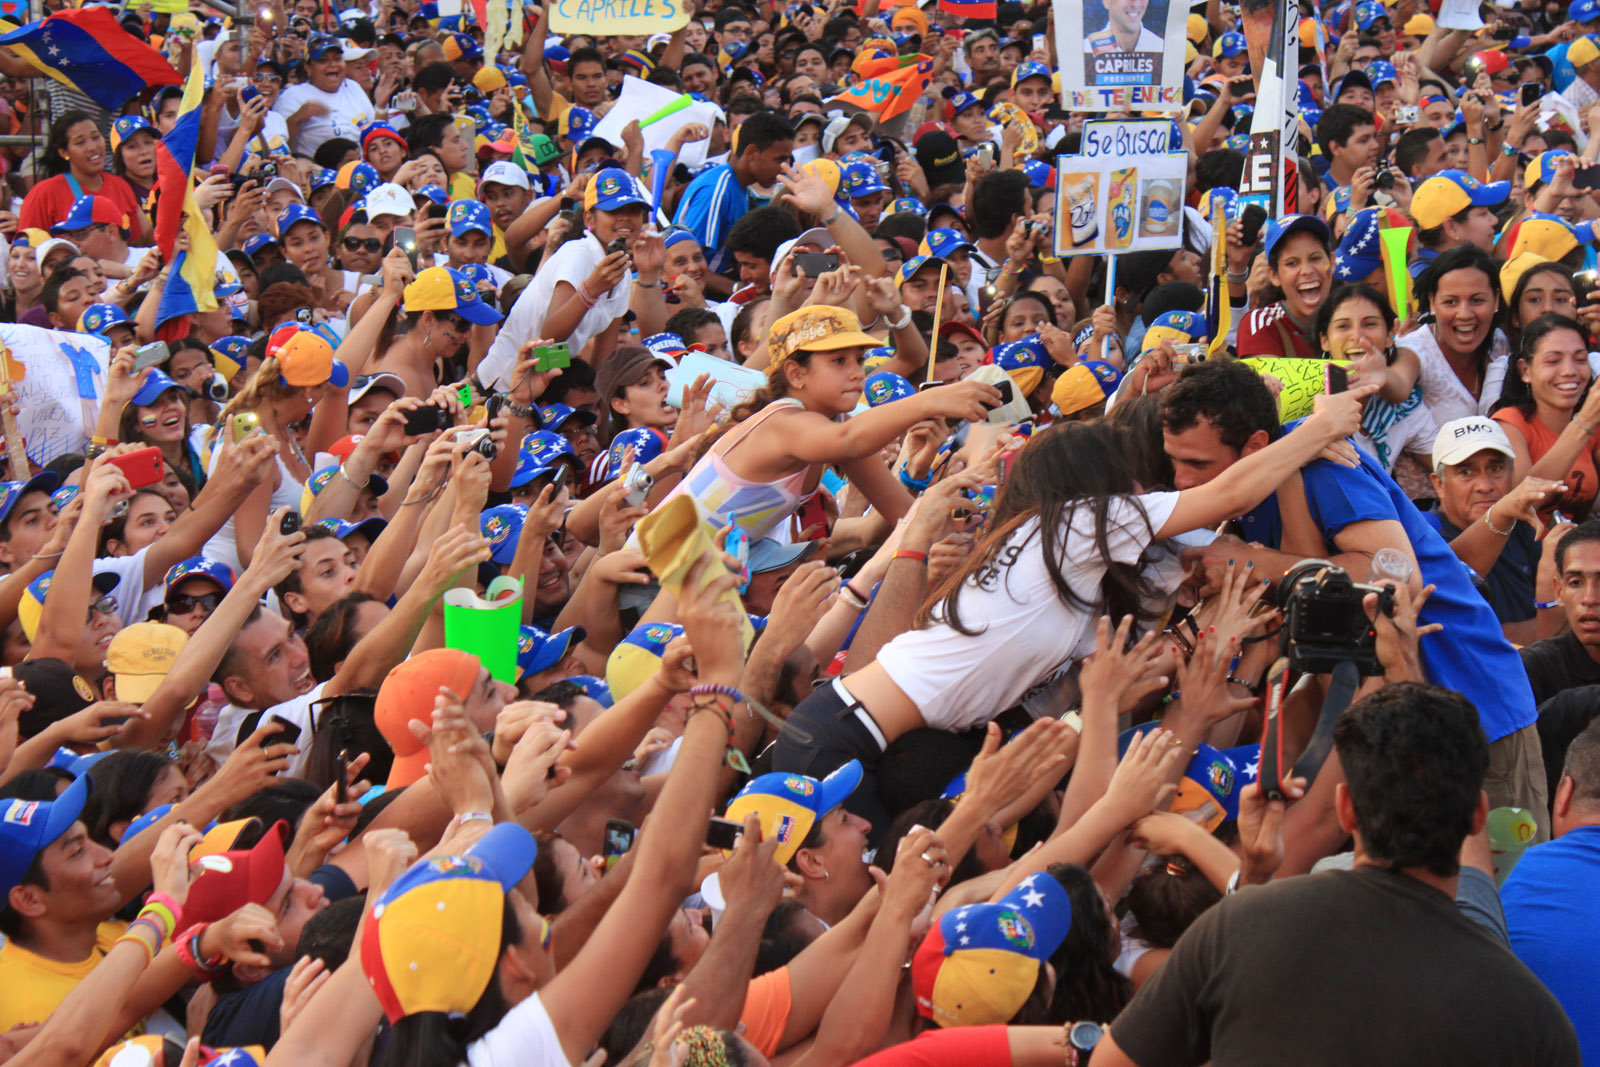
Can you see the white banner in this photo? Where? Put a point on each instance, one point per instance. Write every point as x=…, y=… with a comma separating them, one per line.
x=62, y=383
x=1120, y=54
x=1123, y=192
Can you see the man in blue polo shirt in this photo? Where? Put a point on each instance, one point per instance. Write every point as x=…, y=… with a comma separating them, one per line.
x=1549, y=898
x=1219, y=412
x=719, y=197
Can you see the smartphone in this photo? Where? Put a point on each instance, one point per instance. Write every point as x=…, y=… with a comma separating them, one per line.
x=1586, y=177
x=1335, y=379
x=141, y=468
x=620, y=836
x=247, y=94
x=150, y=355
x=290, y=523
x=1530, y=93
x=1039, y=43
x=405, y=239
x=552, y=357
x=1271, y=773
x=426, y=419
x=1006, y=391
x=341, y=784
x=287, y=732
x=1253, y=218
x=1583, y=285
x=243, y=425
x=813, y=264
x=559, y=482
x=437, y=211
x=986, y=155
x=737, y=545
x=723, y=833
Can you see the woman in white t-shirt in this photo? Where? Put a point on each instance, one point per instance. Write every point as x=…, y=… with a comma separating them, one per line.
x=1067, y=534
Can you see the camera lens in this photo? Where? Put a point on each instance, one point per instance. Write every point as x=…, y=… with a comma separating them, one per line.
x=1385, y=180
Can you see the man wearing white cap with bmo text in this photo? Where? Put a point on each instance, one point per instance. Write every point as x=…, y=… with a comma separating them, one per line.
x=1490, y=523
x=505, y=190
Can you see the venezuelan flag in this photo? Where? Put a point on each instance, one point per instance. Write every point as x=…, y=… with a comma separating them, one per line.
x=87, y=50
x=970, y=9
x=191, y=283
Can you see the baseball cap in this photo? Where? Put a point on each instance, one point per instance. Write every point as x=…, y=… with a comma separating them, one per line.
x=1024, y=359
x=293, y=214
x=821, y=329
x=408, y=693
x=1178, y=327
x=258, y=242
x=980, y=963
x=432, y=941
x=637, y=657
x=1452, y=191
x=321, y=178
x=359, y=176
x=1380, y=71
x=31, y=606
x=1367, y=15
x=503, y=172
x=957, y=103
x=1583, y=51
x=908, y=204
x=199, y=567
x=128, y=125
x=88, y=210
x=940, y=159
x=230, y=880
x=1278, y=229
x=98, y=318
x=468, y=215
x=593, y=688
x=647, y=443
x=539, y=650
x=460, y=46
x=554, y=416
x=362, y=384
x=443, y=289
x=1542, y=167
x=1584, y=11
x=943, y=242
x=319, y=47
x=140, y=656
x=885, y=387
x=1512, y=270
x=837, y=125
x=28, y=827
x=369, y=528
x=1356, y=79
x=767, y=554
x=502, y=525
x=789, y=804
x=1229, y=45
x=575, y=124
x=305, y=357
x=1551, y=236
x=1041, y=175
x=612, y=190
x=861, y=179
x=11, y=492
x=58, y=691
x=389, y=199
x=544, y=149
x=375, y=131
x=155, y=383
x=1084, y=385
x=910, y=267
x=1030, y=69
x=489, y=80
x=1460, y=439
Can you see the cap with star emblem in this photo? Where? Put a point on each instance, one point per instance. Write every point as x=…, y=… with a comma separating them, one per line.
x=980, y=963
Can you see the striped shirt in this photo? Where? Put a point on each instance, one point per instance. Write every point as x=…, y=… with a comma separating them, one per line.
x=711, y=205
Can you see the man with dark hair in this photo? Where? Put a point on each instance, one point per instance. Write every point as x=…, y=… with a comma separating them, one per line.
x=999, y=201
x=1216, y=413
x=1419, y=154
x=1386, y=940
x=719, y=197
x=27, y=519
x=1549, y=898
x=1349, y=140
x=697, y=326
x=440, y=135
x=699, y=74
x=1572, y=658
x=65, y=295
x=753, y=243
x=586, y=70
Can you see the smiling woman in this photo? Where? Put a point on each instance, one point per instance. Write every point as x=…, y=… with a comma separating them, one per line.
x=1300, y=264
x=76, y=158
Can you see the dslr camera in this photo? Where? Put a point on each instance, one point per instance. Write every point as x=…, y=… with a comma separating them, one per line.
x=1324, y=623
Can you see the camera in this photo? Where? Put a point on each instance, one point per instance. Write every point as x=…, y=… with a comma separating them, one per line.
x=266, y=172
x=289, y=524
x=1384, y=180
x=485, y=447
x=1324, y=622
x=216, y=388
x=636, y=485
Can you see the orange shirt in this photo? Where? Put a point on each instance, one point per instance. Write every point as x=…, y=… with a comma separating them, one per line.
x=1582, y=481
x=766, y=1010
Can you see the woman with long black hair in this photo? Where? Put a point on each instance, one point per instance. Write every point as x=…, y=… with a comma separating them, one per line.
x=75, y=156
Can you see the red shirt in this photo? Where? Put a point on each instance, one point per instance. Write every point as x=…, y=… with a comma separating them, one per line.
x=50, y=201
x=971, y=1046
x=1263, y=331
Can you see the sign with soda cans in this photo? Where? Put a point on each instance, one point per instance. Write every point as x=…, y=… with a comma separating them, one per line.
x=1123, y=191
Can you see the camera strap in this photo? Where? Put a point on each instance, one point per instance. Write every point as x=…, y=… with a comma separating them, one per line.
x=1341, y=691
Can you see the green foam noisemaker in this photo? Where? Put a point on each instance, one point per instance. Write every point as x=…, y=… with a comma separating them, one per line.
x=1392, y=244
x=486, y=626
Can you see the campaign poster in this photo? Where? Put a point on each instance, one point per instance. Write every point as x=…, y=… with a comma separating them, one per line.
x=1118, y=54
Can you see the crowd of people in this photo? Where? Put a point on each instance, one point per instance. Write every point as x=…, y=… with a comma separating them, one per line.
x=557, y=599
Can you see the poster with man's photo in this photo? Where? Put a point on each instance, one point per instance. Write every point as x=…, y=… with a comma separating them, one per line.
x=1121, y=54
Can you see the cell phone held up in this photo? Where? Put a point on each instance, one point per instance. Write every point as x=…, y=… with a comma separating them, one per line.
x=142, y=468
x=723, y=834
x=426, y=419
x=815, y=264
x=620, y=836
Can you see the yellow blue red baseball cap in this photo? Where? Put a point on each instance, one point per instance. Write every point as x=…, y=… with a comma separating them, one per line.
x=10, y=492
x=1450, y=192
x=28, y=827
x=885, y=387
x=305, y=356
x=1083, y=385
x=443, y=289
x=980, y=963
x=98, y=318
x=199, y=567
x=612, y=190
x=637, y=657
x=1025, y=359
x=432, y=941
x=789, y=805
x=31, y=607
x=1177, y=327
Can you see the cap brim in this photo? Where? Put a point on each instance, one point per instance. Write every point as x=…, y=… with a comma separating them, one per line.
x=138, y=688
x=507, y=852
x=556, y=647
x=406, y=770
x=620, y=202
x=837, y=787
x=478, y=313
x=847, y=339
x=1491, y=193
x=67, y=808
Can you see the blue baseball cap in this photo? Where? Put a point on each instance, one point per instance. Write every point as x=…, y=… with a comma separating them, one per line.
x=199, y=567
x=1278, y=229
x=1584, y=11
x=538, y=456
x=502, y=525
x=468, y=215
x=861, y=179
x=1359, y=254
x=155, y=383
x=637, y=657
x=555, y=416
x=1367, y=15
x=1041, y=175
x=647, y=442
x=28, y=827
x=666, y=344
x=318, y=47
x=323, y=177
x=258, y=242
x=1229, y=45
x=97, y=318
x=612, y=190
x=594, y=688
x=885, y=387
x=790, y=804
x=1029, y=69
x=908, y=204
x=1380, y=71
x=767, y=554
x=539, y=650
x=296, y=213
x=943, y=242
x=368, y=528
x=435, y=193
x=88, y=210
x=377, y=483
x=957, y=103
x=1229, y=198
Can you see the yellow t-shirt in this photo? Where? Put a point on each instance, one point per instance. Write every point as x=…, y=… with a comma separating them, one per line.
x=463, y=186
x=31, y=987
x=558, y=104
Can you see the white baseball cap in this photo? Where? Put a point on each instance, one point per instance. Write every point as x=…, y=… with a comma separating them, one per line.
x=51, y=245
x=1461, y=439
x=504, y=172
x=284, y=183
x=390, y=199
x=352, y=51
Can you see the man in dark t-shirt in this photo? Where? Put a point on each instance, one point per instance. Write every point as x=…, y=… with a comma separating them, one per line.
x=1372, y=965
x=1571, y=659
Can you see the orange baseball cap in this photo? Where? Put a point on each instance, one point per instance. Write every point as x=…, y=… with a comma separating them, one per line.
x=407, y=695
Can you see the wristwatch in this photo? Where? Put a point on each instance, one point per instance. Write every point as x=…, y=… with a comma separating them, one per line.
x=1082, y=1037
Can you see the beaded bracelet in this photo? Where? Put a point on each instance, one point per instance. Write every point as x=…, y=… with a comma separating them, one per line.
x=718, y=690
x=732, y=756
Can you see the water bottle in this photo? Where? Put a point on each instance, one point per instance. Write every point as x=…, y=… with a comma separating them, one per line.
x=1390, y=565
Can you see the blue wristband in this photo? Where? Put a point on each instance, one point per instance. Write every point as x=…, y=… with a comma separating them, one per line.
x=913, y=484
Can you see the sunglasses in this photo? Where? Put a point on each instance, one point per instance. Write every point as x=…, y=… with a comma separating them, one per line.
x=265, y=77
x=183, y=603
x=106, y=605
x=363, y=244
